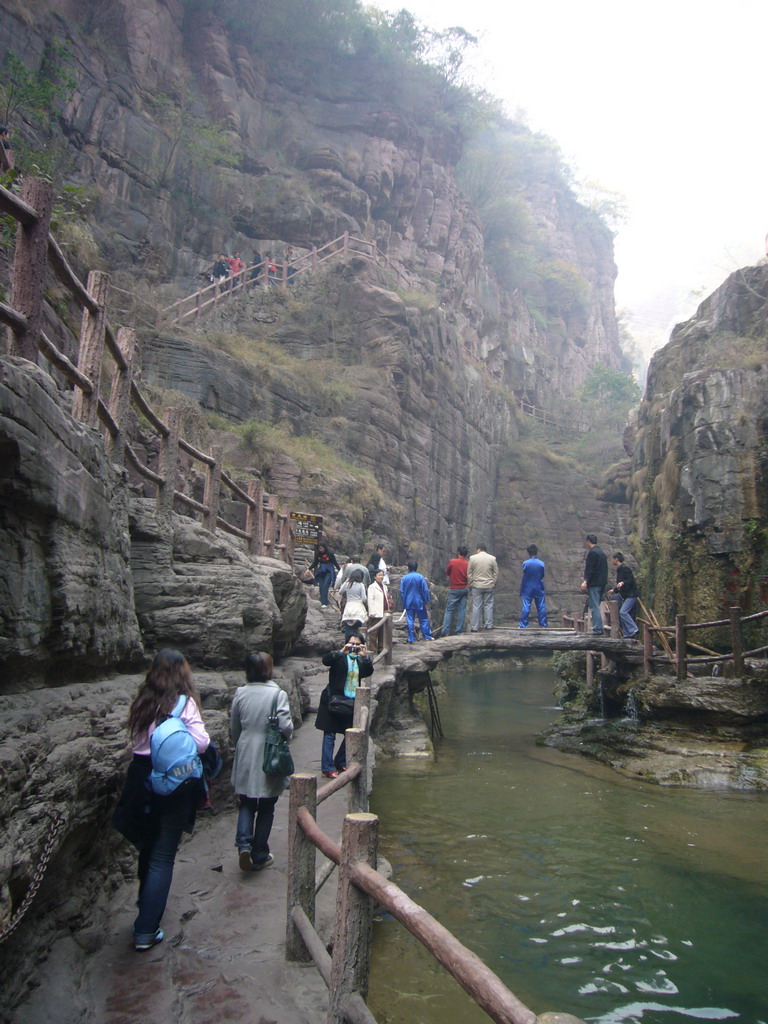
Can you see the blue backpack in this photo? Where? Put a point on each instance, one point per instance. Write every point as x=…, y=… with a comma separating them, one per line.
x=174, y=753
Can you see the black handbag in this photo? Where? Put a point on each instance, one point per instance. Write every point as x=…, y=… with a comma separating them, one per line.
x=343, y=706
x=277, y=756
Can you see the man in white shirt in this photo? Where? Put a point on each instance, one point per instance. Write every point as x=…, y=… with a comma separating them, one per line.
x=482, y=572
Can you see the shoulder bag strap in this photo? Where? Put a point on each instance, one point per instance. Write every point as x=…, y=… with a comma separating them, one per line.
x=181, y=703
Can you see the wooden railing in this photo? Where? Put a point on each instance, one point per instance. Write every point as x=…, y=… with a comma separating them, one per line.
x=548, y=420
x=361, y=886
x=679, y=633
x=676, y=652
x=286, y=272
x=267, y=527
x=384, y=628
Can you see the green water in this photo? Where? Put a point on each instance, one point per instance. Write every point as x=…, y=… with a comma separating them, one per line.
x=587, y=893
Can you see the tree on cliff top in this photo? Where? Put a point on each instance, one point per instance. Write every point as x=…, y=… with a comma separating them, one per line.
x=323, y=45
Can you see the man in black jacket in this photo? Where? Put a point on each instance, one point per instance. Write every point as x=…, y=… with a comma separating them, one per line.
x=595, y=580
x=626, y=588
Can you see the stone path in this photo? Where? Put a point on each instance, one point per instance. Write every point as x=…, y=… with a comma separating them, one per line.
x=222, y=961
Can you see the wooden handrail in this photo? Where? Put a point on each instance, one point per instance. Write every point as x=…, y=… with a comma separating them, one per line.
x=679, y=655
x=17, y=208
x=196, y=453
x=28, y=339
x=142, y=405
x=246, y=279
x=67, y=276
x=12, y=318
x=475, y=977
x=237, y=489
x=59, y=360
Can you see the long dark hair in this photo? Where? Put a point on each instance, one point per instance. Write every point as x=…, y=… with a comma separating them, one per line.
x=168, y=677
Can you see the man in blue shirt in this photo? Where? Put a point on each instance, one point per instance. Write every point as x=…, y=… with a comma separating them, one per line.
x=532, y=588
x=414, y=591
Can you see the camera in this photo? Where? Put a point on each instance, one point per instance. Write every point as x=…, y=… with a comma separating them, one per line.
x=353, y=648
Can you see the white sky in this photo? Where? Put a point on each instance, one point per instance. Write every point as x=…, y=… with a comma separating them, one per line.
x=663, y=101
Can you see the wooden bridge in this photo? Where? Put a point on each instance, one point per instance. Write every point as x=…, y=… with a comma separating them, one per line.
x=653, y=649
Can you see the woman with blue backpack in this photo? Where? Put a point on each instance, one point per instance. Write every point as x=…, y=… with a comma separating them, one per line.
x=164, y=785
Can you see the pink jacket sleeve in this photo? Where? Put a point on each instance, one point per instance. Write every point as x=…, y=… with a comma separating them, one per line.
x=194, y=722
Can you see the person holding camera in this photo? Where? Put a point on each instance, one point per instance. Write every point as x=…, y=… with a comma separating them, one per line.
x=337, y=701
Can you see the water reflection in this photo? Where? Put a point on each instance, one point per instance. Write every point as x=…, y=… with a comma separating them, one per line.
x=586, y=892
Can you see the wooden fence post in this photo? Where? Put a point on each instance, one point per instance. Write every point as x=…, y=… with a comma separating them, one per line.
x=254, y=519
x=590, y=668
x=270, y=525
x=86, y=407
x=736, y=640
x=362, y=708
x=213, y=489
x=301, y=865
x=389, y=631
x=680, y=649
x=284, y=539
x=354, y=914
x=614, y=619
x=168, y=467
x=647, y=649
x=29, y=266
x=120, y=394
x=357, y=750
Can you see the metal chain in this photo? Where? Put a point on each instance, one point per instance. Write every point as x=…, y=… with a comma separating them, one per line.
x=58, y=824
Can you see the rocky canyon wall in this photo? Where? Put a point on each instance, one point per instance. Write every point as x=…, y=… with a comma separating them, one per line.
x=700, y=481
x=434, y=382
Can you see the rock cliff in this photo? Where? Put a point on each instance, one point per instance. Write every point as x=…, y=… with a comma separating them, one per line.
x=434, y=369
x=700, y=480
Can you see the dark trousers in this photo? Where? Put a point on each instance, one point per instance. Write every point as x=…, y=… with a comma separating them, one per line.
x=254, y=824
x=324, y=583
x=155, y=876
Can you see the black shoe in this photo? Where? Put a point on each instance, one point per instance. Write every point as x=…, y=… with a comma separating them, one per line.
x=142, y=943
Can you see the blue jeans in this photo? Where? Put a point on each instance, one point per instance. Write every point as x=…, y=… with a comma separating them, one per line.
x=254, y=823
x=324, y=583
x=594, y=597
x=455, y=605
x=426, y=629
x=327, y=761
x=155, y=876
x=541, y=610
x=482, y=608
x=628, y=624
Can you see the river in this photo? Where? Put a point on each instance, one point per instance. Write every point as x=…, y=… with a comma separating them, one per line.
x=586, y=892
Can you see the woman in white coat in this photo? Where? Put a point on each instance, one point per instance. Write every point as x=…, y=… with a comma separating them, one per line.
x=378, y=606
x=257, y=793
x=355, y=612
